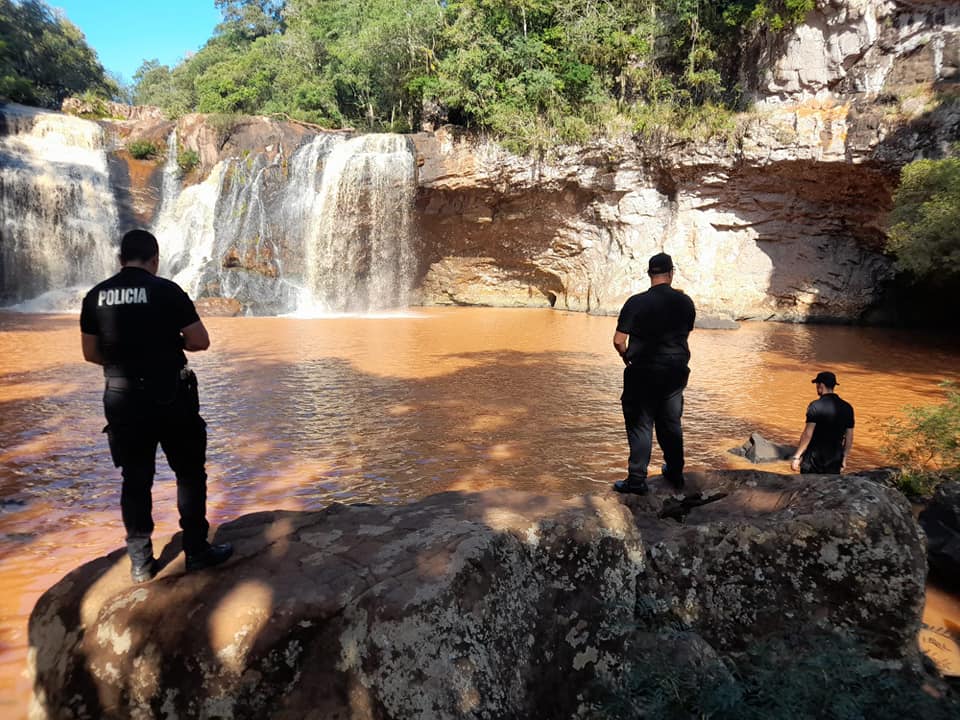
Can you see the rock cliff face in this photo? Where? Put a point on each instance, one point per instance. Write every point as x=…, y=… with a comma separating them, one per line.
x=495, y=604
x=782, y=219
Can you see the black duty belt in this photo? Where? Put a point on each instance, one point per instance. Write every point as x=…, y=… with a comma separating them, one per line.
x=116, y=382
x=125, y=382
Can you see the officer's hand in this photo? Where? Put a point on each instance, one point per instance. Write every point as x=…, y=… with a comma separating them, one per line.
x=795, y=464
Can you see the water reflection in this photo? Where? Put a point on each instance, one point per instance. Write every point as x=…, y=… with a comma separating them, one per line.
x=307, y=412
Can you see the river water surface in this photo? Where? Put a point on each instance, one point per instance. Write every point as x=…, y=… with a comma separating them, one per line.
x=305, y=412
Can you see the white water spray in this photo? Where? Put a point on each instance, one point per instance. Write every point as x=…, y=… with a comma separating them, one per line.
x=58, y=216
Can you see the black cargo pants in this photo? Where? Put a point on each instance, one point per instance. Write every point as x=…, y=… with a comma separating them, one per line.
x=140, y=415
x=652, y=399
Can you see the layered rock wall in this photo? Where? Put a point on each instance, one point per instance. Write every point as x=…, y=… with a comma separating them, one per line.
x=782, y=218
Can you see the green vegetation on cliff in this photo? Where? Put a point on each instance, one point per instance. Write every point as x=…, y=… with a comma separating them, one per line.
x=534, y=72
x=44, y=58
x=926, y=215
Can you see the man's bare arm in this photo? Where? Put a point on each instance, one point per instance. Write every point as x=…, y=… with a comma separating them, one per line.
x=91, y=348
x=620, y=343
x=195, y=337
x=805, y=437
x=847, y=447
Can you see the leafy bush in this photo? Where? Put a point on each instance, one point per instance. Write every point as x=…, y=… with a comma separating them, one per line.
x=926, y=442
x=143, y=149
x=187, y=160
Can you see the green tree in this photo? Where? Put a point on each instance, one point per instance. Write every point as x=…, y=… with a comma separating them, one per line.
x=926, y=214
x=533, y=72
x=44, y=58
x=246, y=20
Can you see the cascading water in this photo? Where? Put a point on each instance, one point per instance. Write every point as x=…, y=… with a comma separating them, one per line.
x=58, y=216
x=359, y=248
x=327, y=231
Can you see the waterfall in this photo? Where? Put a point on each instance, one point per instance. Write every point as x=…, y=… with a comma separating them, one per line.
x=325, y=230
x=58, y=216
x=359, y=250
x=185, y=222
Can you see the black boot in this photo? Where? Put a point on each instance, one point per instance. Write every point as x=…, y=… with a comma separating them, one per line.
x=208, y=557
x=143, y=566
x=143, y=573
x=632, y=486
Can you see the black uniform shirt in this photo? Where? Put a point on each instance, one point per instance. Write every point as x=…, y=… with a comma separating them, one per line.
x=658, y=322
x=833, y=416
x=138, y=317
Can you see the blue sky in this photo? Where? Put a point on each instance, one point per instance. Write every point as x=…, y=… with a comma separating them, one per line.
x=125, y=33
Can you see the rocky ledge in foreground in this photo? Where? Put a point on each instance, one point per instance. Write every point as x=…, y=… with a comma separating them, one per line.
x=497, y=604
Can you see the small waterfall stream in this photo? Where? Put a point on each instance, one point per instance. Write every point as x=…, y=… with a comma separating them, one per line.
x=58, y=215
x=359, y=249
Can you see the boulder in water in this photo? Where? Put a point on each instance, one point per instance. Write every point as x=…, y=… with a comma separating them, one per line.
x=760, y=450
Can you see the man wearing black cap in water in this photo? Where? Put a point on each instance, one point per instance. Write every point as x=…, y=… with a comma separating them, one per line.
x=651, y=338
x=827, y=437
x=137, y=325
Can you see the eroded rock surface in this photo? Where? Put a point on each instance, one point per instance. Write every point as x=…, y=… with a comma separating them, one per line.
x=494, y=604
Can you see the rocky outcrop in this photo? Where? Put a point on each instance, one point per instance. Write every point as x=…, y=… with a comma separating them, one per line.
x=940, y=521
x=757, y=449
x=781, y=218
x=105, y=108
x=492, y=604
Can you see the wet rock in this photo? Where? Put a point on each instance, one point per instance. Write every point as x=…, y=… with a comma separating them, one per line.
x=118, y=111
x=940, y=520
x=219, y=307
x=492, y=604
x=714, y=322
x=760, y=450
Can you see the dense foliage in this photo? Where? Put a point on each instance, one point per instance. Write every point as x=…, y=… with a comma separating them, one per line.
x=923, y=225
x=533, y=71
x=925, y=443
x=44, y=57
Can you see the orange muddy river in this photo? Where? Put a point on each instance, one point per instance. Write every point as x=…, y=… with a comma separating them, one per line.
x=304, y=412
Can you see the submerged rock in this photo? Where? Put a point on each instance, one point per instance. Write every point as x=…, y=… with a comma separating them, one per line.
x=493, y=604
x=760, y=450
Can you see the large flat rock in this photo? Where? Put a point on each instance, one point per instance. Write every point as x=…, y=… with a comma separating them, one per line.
x=494, y=604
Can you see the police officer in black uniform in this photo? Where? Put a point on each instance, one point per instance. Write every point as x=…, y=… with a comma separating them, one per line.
x=137, y=325
x=651, y=338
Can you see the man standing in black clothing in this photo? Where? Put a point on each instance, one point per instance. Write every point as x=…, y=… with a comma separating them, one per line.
x=651, y=338
x=827, y=437
x=137, y=325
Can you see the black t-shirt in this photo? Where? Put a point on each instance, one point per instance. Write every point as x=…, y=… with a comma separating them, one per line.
x=658, y=322
x=833, y=416
x=138, y=317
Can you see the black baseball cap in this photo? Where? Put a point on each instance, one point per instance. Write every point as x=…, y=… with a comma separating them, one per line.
x=659, y=264
x=826, y=378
